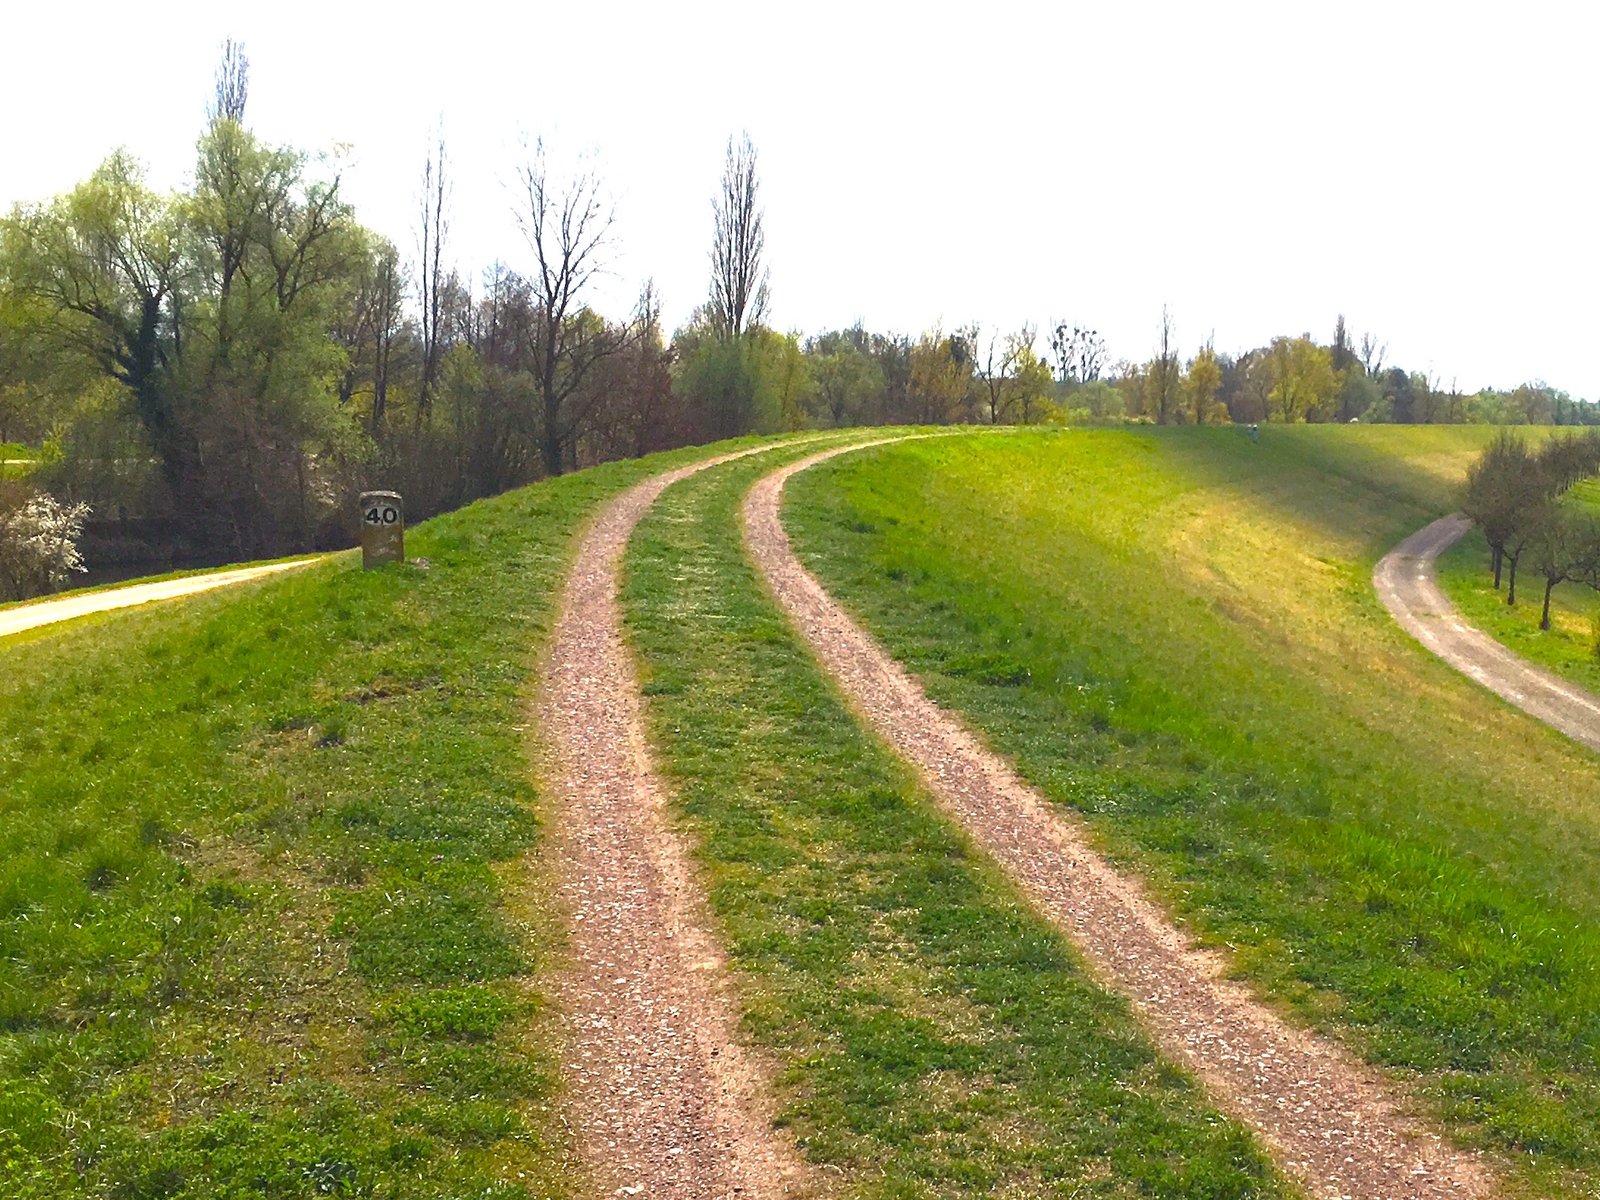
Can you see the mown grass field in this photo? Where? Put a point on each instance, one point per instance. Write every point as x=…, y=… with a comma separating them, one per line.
x=267, y=921
x=933, y=1036
x=1174, y=632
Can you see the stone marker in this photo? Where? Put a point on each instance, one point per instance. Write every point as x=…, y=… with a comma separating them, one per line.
x=383, y=529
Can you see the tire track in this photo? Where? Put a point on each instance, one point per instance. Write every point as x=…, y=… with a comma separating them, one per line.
x=666, y=1102
x=1332, y=1122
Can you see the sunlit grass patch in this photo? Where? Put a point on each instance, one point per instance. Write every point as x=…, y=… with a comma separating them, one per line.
x=1211, y=682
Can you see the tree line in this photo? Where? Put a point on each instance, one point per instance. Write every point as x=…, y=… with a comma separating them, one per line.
x=1515, y=496
x=215, y=371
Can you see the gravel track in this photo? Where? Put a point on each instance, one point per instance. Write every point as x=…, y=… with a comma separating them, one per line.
x=665, y=1101
x=1331, y=1121
x=1405, y=583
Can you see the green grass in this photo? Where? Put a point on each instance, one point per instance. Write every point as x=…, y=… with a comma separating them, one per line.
x=933, y=1036
x=1175, y=633
x=267, y=923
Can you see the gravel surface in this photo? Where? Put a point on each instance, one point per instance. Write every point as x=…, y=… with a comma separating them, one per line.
x=665, y=1101
x=48, y=612
x=1405, y=582
x=1329, y=1120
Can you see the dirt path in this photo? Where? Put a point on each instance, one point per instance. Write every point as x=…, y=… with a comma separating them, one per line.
x=48, y=612
x=1332, y=1122
x=1406, y=585
x=666, y=1102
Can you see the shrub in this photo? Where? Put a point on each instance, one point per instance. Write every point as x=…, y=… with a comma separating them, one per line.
x=38, y=545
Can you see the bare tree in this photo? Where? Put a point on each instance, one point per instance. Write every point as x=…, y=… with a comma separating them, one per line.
x=233, y=84
x=432, y=284
x=1164, y=370
x=738, y=278
x=1372, y=355
x=1080, y=353
x=568, y=228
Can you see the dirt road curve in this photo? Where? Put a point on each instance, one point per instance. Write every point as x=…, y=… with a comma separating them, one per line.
x=1405, y=582
x=665, y=1101
x=48, y=612
x=1328, y=1119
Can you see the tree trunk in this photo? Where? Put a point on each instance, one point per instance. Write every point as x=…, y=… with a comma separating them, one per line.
x=1511, y=594
x=550, y=442
x=1549, y=586
x=1497, y=555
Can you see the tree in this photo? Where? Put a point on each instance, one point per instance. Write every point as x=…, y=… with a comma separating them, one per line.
x=739, y=293
x=1163, y=393
x=1343, y=356
x=845, y=378
x=1202, y=383
x=568, y=228
x=96, y=273
x=1029, y=380
x=432, y=282
x=1565, y=546
x=1495, y=489
x=232, y=84
x=1372, y=355
x=1303, y=382
x=1080, y=353
x=941, y=373
x=1358, y=395
x=368, y=323
x=38, y=545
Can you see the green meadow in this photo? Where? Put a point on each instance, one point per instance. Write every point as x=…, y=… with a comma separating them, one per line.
x=1174, y=633
x=268, y=919
x=273, y=922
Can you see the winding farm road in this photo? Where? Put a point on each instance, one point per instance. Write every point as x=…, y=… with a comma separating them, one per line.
x=1405, y=582
x=48, y=612
x=1340, y=1127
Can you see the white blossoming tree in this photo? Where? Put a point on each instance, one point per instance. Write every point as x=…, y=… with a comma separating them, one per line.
x=39, y=546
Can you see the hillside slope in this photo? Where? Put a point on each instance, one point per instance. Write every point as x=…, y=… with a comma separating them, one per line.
x=1174, y=632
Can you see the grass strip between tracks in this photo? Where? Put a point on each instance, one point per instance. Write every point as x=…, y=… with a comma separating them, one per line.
x=934, y=1038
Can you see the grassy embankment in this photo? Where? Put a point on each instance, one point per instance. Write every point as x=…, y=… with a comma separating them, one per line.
x=1568, y=647
x=265, y=917
x=934, y=1037
x=1174, y=632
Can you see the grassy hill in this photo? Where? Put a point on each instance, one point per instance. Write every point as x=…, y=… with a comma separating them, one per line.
x=271, y=924
x=1174, y=632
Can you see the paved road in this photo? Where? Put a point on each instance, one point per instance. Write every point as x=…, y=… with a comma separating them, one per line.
x=1406, y=585
x=47, y=612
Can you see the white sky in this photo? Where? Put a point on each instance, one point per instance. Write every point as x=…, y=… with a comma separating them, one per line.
x=1426, y=169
